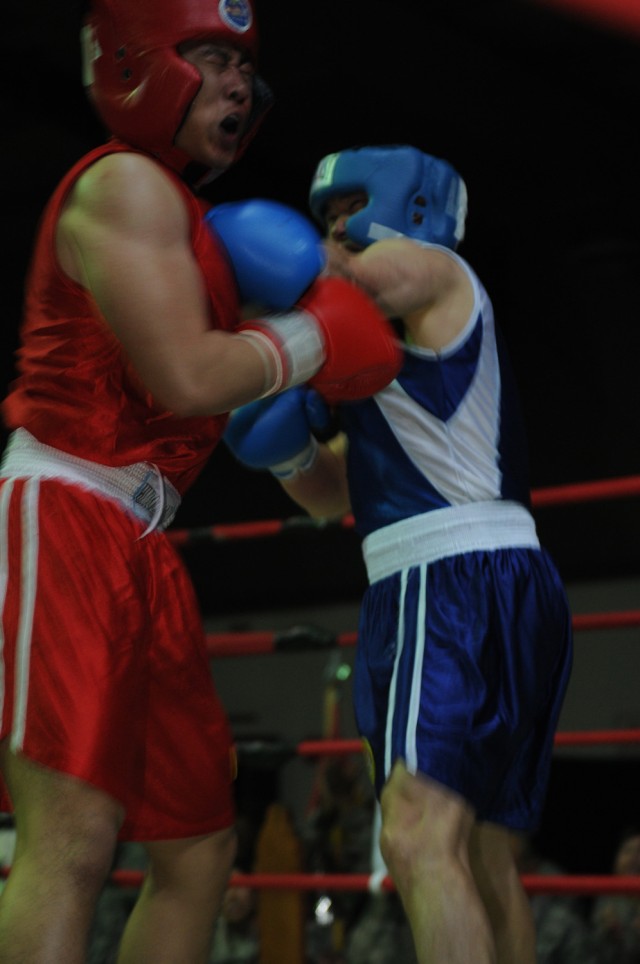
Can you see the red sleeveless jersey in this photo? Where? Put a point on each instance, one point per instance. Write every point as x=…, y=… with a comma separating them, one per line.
x=75, y=389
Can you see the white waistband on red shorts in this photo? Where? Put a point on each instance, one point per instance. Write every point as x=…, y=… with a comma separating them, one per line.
x=451, y=531
x=140, y=488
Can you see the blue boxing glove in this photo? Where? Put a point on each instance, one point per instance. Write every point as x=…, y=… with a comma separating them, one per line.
x=275, y=252
x=276, y=433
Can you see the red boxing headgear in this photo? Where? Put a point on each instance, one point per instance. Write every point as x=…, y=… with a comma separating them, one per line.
x=139, y=84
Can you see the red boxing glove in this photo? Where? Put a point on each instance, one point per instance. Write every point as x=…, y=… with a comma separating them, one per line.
x=362, y=352
x=336, y=339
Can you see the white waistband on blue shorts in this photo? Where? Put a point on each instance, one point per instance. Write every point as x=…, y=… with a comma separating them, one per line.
x=474, y=527
x=140, y=488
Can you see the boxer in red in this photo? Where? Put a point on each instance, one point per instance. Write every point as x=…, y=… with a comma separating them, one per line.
x=132, y=352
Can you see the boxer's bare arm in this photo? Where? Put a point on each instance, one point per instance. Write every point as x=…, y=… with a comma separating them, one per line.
x=323, y=491
x=124, y=236
x=424, y=286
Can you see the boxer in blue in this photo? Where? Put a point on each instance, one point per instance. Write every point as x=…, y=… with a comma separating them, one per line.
x=464, y=646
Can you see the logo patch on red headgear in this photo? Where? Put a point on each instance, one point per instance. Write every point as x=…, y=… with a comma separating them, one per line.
x=236, y=14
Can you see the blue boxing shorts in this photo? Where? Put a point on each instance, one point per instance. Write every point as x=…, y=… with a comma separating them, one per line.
x=463, y=660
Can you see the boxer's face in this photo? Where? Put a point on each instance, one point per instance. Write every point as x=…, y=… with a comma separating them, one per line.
x=339, y=210
x=219, y=114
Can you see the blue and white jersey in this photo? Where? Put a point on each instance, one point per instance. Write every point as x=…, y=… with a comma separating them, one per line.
x=446, y=432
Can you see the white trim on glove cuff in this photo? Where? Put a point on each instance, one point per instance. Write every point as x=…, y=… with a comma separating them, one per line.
x=301, y=462
x=294, y=343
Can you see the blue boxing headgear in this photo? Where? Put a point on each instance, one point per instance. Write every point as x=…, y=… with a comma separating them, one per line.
x=409, y=193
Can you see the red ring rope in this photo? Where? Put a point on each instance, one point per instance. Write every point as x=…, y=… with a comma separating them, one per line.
x=575, y=738
x=551, y=496
x=533, y=883
x=261, y=642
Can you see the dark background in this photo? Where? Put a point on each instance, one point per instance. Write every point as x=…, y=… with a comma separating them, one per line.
x=536, y=108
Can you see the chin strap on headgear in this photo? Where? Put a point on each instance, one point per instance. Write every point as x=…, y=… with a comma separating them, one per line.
x=409, y=193
x=137, y=81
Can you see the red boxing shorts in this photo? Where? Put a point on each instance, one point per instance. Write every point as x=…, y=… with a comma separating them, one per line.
x=104, y=673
